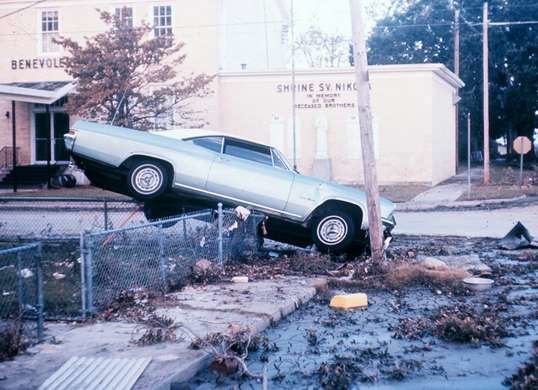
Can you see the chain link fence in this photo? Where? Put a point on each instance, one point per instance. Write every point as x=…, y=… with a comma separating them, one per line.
x=157, y=256
x=93, y=250
x=21, y=292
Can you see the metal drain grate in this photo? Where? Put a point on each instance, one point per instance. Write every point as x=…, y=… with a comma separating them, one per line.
x=96, y=374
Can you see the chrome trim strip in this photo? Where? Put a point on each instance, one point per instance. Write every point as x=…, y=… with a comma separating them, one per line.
x=236, y=200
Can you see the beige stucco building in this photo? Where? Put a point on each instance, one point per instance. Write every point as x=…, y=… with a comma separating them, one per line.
x=414, y=105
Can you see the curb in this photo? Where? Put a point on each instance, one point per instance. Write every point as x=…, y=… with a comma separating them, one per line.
x=465, y=204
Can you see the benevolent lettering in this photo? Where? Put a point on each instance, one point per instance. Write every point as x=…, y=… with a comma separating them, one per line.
x=37, y=63
x=322, y=94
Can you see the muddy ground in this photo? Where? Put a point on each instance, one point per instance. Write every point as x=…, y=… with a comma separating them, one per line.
x=416, y=333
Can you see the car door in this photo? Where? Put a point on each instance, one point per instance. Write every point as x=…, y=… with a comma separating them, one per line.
x=244, y=173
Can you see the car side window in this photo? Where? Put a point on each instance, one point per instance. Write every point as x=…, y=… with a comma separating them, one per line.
x=211, y=143
x=256, y=153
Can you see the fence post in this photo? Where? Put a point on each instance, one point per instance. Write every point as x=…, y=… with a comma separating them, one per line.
x=106, y=214
x=19, y=283
x=83, y=275
x=89, y=274
x=162, y=263
x=39, y=289
x=219, y=210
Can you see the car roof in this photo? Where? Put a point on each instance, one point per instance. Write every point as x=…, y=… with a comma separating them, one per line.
x=184, y=134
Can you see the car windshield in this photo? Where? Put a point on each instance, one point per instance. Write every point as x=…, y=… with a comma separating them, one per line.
x=280, y=161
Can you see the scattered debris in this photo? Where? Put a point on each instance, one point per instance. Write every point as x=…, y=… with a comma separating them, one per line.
x=26, y=273
x=460, y=323
x=159, y=329
x=230, y=351
x=517, y=238
x=527, y=375
x=58, y=276
x=478, y=284
x=205, y=272
x=349, y=301
x=131, y=305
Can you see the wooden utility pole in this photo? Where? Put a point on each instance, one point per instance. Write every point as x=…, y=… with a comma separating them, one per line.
x=367, y=138
x=485, y=71
x=457, y=73
x=293, y=91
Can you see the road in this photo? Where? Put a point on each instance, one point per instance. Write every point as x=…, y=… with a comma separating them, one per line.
x=56, y=221
x=470, y=223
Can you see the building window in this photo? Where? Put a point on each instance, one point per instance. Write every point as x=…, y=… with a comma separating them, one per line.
x=125, y=15
x=162, y=20
x=49, y=31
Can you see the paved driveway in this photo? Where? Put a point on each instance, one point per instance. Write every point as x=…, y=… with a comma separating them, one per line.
x=471, y=223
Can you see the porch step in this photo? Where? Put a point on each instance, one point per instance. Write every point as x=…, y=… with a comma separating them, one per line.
x=28, y=175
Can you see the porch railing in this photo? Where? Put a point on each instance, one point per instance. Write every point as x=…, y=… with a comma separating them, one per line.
x=6, y=157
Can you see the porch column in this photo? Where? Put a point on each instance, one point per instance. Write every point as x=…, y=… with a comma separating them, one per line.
x=14, y=145
x=49, y=148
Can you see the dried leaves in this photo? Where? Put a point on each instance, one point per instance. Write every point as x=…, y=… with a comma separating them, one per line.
x=11, y=340
x=158, y=330
x=526, y=377
x=460, y=324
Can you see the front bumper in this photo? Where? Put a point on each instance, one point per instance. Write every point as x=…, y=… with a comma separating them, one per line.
x=389, y=224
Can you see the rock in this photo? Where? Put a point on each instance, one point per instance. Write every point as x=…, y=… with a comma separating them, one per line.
x=433, y=263
x=240, y=279
x=202, y=265
x=470, y=263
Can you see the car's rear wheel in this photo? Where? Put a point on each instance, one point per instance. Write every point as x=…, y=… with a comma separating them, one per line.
x=147, y=179
x=333, y=231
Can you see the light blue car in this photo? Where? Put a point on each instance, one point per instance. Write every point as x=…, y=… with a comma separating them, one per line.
x=185, y=169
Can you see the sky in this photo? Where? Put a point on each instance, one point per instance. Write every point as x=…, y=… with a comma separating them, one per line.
x=333, y=15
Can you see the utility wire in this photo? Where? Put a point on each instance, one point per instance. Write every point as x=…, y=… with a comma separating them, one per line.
x=22, y=9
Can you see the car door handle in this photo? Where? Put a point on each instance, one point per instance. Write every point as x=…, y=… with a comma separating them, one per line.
x=222, y=158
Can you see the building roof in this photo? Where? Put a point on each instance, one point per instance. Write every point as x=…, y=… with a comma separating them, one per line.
x=43, y=92
x=438, y=69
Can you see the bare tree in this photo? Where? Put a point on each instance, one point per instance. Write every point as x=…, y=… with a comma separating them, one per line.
x=322, y=50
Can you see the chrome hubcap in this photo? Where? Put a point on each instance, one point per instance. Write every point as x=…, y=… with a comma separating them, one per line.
x=332, y=230
x=147, y=179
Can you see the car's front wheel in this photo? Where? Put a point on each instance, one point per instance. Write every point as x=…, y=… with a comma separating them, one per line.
x=147, y=179
x=333, y=231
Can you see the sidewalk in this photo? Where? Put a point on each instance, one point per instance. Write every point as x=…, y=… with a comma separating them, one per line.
x=202, y=310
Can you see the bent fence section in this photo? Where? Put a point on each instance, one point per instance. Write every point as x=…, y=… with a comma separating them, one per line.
x=92, y=250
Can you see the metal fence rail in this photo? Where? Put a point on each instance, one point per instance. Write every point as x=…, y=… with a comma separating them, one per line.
x=23, y=217
x=21, y=288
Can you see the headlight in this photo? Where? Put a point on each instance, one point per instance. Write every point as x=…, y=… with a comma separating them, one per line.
x=69, y=139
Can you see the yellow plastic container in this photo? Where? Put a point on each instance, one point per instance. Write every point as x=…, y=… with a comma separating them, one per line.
x=349, y=301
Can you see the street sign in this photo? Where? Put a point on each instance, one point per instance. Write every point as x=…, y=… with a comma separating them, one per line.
x=522, y=145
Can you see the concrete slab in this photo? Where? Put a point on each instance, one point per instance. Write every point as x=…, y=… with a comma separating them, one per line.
x=201, y=310
x=441, y=194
